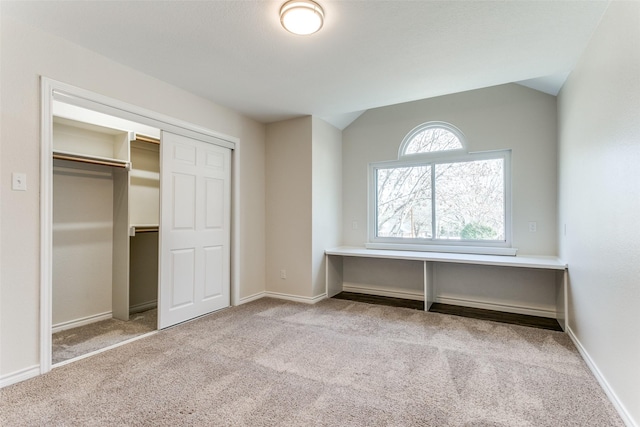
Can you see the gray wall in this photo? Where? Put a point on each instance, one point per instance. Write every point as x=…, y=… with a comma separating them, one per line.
x=304, y=179
x=28, y=53
x=502, y=117
x=599, y=201
x=326, y=198
x=289, y=227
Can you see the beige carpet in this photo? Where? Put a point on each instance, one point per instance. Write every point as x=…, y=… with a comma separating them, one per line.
x=85, y=339
x=336, y=363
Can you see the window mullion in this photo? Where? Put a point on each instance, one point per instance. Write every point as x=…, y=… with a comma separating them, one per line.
x=433, y=201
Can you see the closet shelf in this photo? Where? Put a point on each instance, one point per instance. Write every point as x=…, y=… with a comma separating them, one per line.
x=94, y=160
x=143, y=228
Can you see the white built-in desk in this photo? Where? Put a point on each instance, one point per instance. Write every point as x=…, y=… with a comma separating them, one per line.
x=334, y=269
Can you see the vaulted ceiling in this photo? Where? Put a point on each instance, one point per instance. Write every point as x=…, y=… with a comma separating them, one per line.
x=368, y=54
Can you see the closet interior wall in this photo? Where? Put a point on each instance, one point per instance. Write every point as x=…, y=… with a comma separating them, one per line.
x=82, y=243
x=144, y=208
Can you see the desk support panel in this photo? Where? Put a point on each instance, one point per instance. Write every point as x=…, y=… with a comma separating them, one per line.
x=334, y=275
x=429, y=290
x=561, y=298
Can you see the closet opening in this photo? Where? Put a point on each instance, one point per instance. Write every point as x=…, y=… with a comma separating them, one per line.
x=105, y=231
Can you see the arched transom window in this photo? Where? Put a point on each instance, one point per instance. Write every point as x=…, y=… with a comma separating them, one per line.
x=432, y=137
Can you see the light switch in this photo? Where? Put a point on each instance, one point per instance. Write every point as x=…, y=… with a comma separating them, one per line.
x=19, y=181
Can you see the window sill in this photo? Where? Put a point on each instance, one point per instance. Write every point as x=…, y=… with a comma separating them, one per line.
x=476, y=250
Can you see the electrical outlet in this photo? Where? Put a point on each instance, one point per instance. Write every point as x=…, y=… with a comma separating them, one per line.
x=533, y=227
x=283, y=274
x=354, y=225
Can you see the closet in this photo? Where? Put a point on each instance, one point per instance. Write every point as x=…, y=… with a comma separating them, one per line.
x=136, y=214
x=106, y=200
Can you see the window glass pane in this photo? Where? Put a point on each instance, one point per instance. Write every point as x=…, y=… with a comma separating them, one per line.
x=470, y=200
x=404, y=202
x=433, y=139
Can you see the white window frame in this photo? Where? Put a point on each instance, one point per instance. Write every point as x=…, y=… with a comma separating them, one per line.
x=432, y=159
x=431, y=125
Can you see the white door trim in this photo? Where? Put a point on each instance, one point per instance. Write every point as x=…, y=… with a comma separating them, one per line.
x=52, y=89
x=93, y=101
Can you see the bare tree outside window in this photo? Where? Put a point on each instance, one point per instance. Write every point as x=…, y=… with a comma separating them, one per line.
x=433, y=139
x=470, y=200
x=404, y=202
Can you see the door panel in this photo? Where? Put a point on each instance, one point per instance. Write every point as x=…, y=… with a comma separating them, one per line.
x=214, y=279
x=182, y=277
x=215, y=211
x=184, y=154
x=184, y=196
x=195, y=229
x=215, y=161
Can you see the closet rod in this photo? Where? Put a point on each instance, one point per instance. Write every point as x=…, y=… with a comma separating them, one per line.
x=150, y=140
x=146, y=229
x=90, y=161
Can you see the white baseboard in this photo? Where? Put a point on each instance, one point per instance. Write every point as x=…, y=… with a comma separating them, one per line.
x=149, y=305
x=18, y=376
x=613, y=397
x=531, y=311
x=80, y=322
x=296, y=298
x=279, y=295
x=383, y=292
x=251, y=298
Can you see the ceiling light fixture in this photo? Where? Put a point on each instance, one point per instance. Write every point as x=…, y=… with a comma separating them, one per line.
x=302, y=17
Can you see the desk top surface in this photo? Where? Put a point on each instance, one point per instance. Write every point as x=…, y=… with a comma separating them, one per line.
x=542, y=262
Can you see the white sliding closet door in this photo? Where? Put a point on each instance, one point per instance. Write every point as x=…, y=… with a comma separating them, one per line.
x=194, y=229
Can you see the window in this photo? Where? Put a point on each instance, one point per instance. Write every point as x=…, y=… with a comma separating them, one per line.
x=438, y=194
x=432, y=137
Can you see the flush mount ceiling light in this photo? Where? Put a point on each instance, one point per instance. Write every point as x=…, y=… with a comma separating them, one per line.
x=301, y=17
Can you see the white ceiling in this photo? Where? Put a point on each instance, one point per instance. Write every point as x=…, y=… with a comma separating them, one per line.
x=368, y=54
